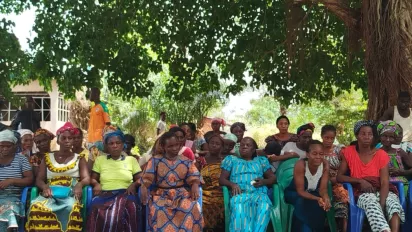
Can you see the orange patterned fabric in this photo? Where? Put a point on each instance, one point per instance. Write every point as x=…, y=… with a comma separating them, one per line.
x=213, y=207
x=171, y=206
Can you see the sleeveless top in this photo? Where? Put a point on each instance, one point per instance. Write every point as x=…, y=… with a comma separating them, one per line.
x=406, y=124
x=313, y=180
x=62, y=174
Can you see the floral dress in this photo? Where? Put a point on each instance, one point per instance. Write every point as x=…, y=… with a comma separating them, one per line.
x=170, y=204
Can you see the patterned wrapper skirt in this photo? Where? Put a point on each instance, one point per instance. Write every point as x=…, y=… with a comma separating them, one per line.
x=54, y=215
x=114, y=211
x=11, y=211
x=173, y=210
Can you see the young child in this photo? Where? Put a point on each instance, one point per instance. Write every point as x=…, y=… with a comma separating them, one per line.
x=130, y=143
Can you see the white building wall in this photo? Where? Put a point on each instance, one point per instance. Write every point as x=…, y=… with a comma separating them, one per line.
x=35, y=86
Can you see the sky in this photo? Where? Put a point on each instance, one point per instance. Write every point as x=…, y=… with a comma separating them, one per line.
x=236, y=105
x=24, y=23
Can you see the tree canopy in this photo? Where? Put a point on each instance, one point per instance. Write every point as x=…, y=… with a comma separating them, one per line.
x=299, y=51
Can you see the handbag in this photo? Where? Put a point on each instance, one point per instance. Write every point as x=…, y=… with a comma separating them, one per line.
x=60, y=191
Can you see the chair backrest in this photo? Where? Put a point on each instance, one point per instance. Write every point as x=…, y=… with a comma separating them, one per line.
x=284, y=173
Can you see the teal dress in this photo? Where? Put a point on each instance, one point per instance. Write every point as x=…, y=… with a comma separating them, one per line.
x=249, y=211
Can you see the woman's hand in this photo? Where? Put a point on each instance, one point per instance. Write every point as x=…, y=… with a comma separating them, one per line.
x=366, y=187
x=144, y=194
x=97, y=189
x=321, y=203
x=46, y=192
x=131, y=190
x=235, y=189
x=259, y=182
x=327, y=205
x=78, y=190
x=5, y=183
x=272, y=158
x=195, y=192
x=382, y=203
x=396, y=172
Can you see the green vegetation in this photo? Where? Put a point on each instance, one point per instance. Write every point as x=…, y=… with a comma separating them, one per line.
x=342, y=112
x=299, y=49
x=139, y=116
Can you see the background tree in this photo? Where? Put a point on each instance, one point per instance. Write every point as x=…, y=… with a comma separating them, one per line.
x=299, y=49
x=342, y=112
x=139, y=116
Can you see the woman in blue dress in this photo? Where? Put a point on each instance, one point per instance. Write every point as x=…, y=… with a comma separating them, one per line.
x=308, y=191
x=247, y=176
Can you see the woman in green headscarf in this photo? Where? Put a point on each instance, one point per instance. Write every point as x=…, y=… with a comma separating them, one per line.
x=388, y=131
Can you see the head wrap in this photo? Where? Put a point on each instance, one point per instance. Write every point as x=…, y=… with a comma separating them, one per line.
x=231, y=137
x=219, y=120
x=112, y=131
x=24, y=132
x=307, y=127
x=8, y=136
x=388, y=126
x=68, y=126
x=361, y=124
x=43, y=132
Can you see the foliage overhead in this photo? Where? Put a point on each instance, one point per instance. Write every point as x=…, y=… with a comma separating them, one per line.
x=204, y=43
x=13, y=61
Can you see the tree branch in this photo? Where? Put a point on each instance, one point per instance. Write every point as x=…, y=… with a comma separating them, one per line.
x=340, y=8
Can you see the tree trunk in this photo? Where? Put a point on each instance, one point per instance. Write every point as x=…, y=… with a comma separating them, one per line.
x=387, y=40
x=387, y=36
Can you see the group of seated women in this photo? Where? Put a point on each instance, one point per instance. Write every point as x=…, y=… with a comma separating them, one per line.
x=169, y=177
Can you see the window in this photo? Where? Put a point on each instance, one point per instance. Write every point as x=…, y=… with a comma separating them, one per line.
x=41, y=105
x=7, y=111
x=63, y=110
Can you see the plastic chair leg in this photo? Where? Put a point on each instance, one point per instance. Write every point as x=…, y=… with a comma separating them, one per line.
x=23, y=200
x=226, y=199
x=275, y=213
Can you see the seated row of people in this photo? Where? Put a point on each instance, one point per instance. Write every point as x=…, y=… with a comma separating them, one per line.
x=172, y=173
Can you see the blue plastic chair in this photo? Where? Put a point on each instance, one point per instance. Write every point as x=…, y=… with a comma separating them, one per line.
x=23, y=200
x=144, y=226
x=408, y=219
x=357, y=215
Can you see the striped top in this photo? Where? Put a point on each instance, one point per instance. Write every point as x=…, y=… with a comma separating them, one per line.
x=15, y=170
x=243, y=172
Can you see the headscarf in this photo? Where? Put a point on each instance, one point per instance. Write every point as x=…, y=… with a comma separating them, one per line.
x=231, y=137
x=362, y=123
x=112, y=131
x=307, y=127
x=386, y=126
x=24, y=132
x=68, y=126
x=8, y=136
x=42, y=131
x=219, y=120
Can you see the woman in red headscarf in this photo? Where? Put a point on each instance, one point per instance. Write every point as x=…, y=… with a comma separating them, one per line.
x=61, y=177
x=217, y=123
